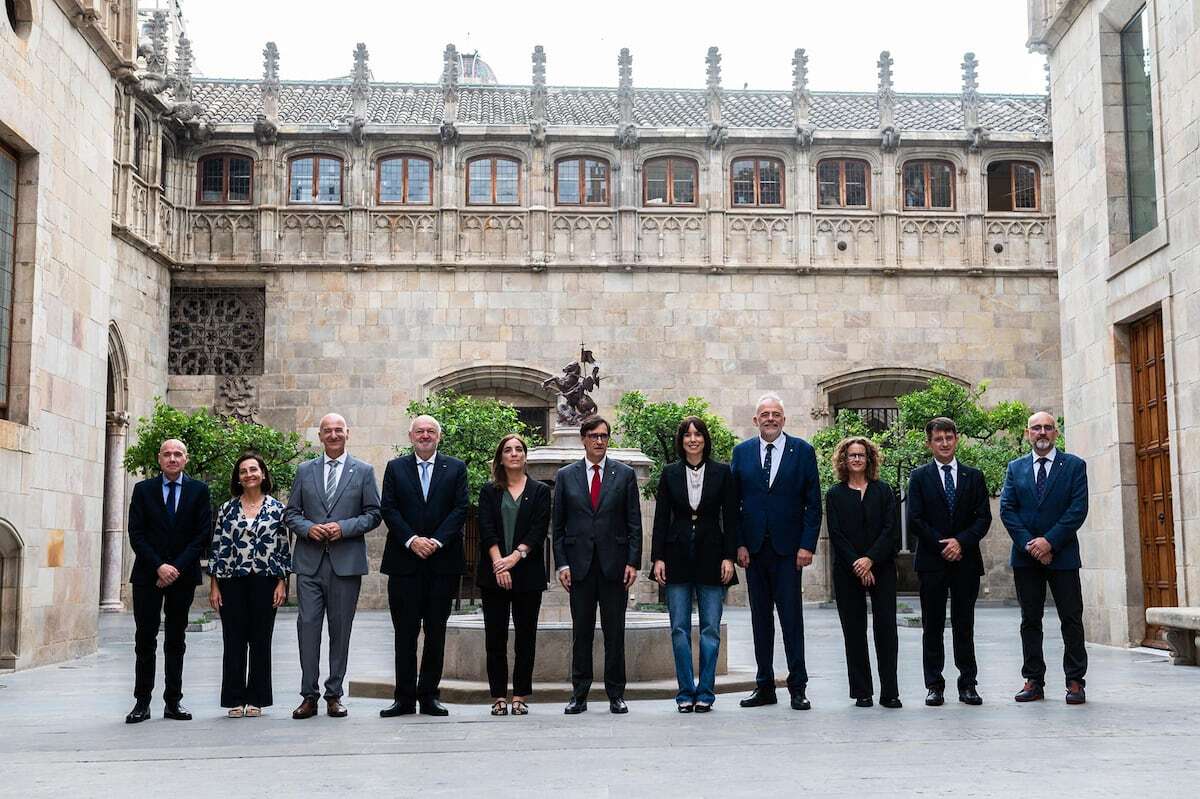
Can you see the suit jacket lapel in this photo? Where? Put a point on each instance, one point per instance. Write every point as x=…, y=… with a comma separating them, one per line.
x=435, y=474
x=317, y=472
x=610, y=472
x=939, y=482
x=347, y=468
x=524, y=506
x=1055, y=468
x=706, y=488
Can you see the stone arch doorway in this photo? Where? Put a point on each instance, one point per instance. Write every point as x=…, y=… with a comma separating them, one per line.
x=112, y=543
x=12, y=550
x=519, y=386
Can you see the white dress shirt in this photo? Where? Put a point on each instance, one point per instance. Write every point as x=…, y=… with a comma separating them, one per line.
x=695, y=483
x=776, y=454
x=431, y=460
x=942, y=474
x=1049, y=456
x=340, y=461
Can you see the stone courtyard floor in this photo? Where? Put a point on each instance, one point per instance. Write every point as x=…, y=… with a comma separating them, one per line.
x=62, y=732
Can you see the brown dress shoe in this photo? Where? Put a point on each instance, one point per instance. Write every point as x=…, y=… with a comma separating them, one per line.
x=1032, y=692
x=307, y=709
x=335, y=709
x=1075, y=694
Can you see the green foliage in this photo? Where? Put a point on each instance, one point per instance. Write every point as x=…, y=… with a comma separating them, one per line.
x=989, y=437
x=471, y=429
x=651, y=426
x=214, y=444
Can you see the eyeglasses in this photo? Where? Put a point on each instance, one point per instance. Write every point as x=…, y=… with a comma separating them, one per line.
x=1042, y=428
x=597, y=436
x=854, y=456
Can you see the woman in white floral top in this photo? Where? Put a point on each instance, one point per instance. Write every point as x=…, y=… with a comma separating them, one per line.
x=250, y=561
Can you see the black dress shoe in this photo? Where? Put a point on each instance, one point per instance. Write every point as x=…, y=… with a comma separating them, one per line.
x=865, y=701
x=432, y=707
x=935, y=697
x=892, y=702
x=758, y=698
x=800, y=701
x=140, y=712
x=703, y=708
x=685, y=707
x=575, y=706
x=1075, y=693
x=176, y=711
x=969, y=696
x=617, y=706
x=1032, y=692
x=397, y=709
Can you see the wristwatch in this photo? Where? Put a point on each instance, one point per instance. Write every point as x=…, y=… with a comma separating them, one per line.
x=523, y=552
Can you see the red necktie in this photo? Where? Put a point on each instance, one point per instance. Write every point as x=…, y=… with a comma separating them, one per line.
x=595, y=488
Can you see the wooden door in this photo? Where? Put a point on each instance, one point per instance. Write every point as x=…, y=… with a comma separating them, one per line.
x=1150, y=428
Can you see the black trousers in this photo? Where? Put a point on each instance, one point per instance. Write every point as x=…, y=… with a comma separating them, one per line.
x=773, y=583
x=419, y=602
x=961, y=585
x=852, y=611
x=1068, y=600
x=150, y=605
x=588, y=593
x=247, y=624
x=497, y=606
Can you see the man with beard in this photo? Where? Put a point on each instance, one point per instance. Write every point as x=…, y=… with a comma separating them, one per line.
x=1043, y=505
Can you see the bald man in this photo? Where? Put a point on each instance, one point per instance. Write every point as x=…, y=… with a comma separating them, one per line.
x=1043, y=505
x=170, y=525
x=333, y=504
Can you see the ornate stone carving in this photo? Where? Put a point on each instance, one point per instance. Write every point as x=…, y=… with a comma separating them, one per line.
x=889, y=139
x=1049, y=116
x=265, y=131
x=979, y=137
x=216, y=331
x=360, y=86
x=537, y=94
x=537, y=134
x=887, y=90
x=625, y=86
x=800, y=96
x=271, y=68
x=819, y=413
x=712, y=63
x=970, y=91
x=358, y=133
x=450, y=74
x=155, y=51
x=804, y=136
x=717, y=135
x=574, y=403
x=449, y=133
x=238, y=399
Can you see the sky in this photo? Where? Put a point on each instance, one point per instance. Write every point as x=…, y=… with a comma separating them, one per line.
x=668, y=40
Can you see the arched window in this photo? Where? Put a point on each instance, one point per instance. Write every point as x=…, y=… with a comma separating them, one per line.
x=757, y=181
x=669, y=181
x=843, y=183
x=225, y=179
x=164, y=164
x=315, y=179
x=1013, y=186
x=581, y=181
x=929, y=185
x=405, y=179
x=493, y=180
x=139, y=143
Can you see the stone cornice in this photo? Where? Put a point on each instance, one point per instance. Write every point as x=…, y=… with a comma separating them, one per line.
x=86, y=20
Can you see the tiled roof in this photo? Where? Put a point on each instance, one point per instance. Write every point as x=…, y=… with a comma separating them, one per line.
x=322, y=102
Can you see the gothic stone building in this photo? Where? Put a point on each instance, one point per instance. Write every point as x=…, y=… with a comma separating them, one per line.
x=279, y=249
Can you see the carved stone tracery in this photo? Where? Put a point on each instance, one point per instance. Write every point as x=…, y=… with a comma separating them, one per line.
x=216, y=331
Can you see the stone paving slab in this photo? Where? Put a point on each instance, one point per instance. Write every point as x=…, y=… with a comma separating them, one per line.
x=62, y=733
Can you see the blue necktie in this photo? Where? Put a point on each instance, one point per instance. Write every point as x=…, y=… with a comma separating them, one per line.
x=171, y=486
x=949, y=483
x=425, y=479
x=767, y=465
x=1040, y=485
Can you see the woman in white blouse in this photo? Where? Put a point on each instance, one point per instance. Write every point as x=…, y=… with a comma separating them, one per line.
x=249, y=564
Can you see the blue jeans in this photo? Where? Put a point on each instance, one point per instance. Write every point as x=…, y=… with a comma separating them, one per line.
x=679, y=605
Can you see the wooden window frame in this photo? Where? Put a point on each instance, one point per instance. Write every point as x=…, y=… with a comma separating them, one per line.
x=758, y=203
x=224, y=157
x=671, y=159
x=581, y=160
x=5, y=406
x=317, y=158
x=403, y=179
x=1012, y=185
x=842, y=162
x=495, y=159
x=926, y=163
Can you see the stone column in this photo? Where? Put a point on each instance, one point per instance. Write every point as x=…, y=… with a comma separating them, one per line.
x=112, y=546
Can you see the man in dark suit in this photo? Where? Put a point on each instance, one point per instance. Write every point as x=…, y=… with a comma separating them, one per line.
x=1043, y=505
x=780, y=495
x=333, y=504
x=424, y=507
x=170, y=525
x=597, y=522
x=949, y=513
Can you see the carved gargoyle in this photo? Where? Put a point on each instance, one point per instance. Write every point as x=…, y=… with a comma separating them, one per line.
x=265, y=131
x=184, y=111
x=717, y=134
x=804, y=136
x=449, y=133
x=358, y=131
x=979, y=137
x=537, y=134
x=627, y=136
x=889, y=139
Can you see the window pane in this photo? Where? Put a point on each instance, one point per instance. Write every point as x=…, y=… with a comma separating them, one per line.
x=683, y=182
x=856, y=183
x=420, y=181
x=1139, y=129
x=239, y=180
x=164, y=162
x=479, y=181
x=743, y=182
x=568, y=182
x=597, y=181
x=391, y=180
x=656, y=182
x=914, y=185
x=300, y=190
x=330, y=186
x=8, y=226
x=506, y=181
x=999, y=186
x=1025, y=186
x=139, y=144
x=827, y=183
x=212, y=180
x=769, y=183
x=940, y=192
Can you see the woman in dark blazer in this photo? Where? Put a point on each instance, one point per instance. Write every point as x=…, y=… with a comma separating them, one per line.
x=514, y=518
x=693, y=548
x=860, y=512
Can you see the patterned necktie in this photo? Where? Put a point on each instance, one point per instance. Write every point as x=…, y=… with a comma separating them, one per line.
x=1040, y=485
x=171, y=486
x=331, y=481
x=595, y=487
x=949, y=482
x=425, y=479
x=767, y=465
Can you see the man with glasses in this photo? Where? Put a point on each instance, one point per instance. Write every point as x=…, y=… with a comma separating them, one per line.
x=598, y=551
x=1043, y=505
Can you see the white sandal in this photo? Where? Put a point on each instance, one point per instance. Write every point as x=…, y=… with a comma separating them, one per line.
x=253, y=712
x=236, y=712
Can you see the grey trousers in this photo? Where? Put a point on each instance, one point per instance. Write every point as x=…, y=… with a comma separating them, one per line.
x=320, y=595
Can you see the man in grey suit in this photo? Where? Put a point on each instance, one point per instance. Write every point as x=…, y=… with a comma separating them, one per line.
x=332, y=505
x=598, y=551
